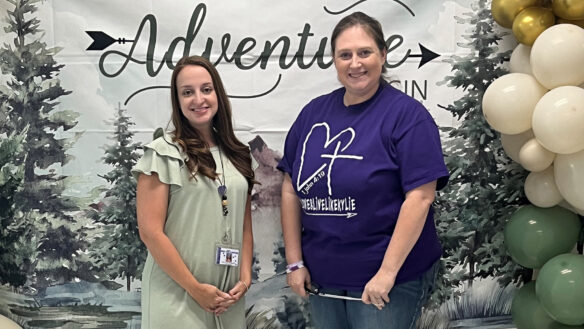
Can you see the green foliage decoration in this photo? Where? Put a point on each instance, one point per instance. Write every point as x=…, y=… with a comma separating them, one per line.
x=485, y=186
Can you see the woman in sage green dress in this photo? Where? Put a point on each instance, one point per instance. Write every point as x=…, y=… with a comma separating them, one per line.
x=193, y=208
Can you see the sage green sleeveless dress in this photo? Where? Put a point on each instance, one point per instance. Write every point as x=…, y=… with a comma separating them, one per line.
x=195, y=224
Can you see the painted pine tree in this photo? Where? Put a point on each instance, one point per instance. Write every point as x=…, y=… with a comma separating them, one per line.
x=485, y=187
x=118, y=251
x=11, y=178
x=30, y=99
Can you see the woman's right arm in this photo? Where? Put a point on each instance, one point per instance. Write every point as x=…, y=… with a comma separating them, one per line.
x=291, y=229
x=151, y=207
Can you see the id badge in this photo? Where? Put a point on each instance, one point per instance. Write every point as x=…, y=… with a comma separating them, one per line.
x=227, y=255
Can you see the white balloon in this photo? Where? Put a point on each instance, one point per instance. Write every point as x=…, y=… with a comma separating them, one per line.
x=569, y=174
x=534, y=157
x=509, y=101
x=541, y=190
x=556, y=56
x=558, y=120
x=519, y=62
x=6, y=323
x=513, y=143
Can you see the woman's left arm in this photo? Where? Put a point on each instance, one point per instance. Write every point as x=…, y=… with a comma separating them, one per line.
x=247, y=247
x=410, y=222
x=245, y=260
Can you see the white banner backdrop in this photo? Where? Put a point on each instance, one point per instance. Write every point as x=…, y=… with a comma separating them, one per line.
x=297, y=70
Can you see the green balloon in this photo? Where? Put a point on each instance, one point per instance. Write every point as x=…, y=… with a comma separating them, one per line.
x=534, y=235
x=526, y=310
x=560, y=288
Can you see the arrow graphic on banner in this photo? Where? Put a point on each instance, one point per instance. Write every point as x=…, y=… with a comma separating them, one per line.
x=101, y=40
x=426, y=55
x=348, y=215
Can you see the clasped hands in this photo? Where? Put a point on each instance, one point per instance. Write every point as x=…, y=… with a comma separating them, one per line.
x=215, y=301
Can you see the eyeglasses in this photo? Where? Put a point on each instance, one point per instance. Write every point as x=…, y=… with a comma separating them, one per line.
x=315, y=289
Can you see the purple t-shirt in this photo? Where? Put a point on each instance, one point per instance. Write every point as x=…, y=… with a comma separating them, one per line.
x=351, y=167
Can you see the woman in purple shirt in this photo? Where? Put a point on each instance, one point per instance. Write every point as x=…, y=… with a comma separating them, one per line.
x=362, y=167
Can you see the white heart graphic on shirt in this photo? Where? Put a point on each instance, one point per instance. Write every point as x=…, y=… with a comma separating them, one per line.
x=328, y=141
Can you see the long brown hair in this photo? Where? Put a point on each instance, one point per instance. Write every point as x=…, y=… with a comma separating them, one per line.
x=200, y=159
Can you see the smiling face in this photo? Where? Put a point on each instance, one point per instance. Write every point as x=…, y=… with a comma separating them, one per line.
x=196, y=96
x=359, y=62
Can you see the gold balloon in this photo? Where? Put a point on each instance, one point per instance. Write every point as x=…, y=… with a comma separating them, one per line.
x=504, y=11
x=531, y=22
x=569, y=9
x=565, y=21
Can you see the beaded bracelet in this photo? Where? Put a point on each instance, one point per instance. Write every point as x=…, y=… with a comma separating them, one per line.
x=294, y=266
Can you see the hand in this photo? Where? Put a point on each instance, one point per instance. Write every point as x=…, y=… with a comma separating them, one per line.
x=297, y=280
x=376, y=291
x=236, y=293
x=210, y=298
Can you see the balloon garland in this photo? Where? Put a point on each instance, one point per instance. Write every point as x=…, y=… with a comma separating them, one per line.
x=539, y=110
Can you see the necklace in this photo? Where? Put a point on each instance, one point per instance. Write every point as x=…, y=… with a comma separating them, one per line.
x=222, y=188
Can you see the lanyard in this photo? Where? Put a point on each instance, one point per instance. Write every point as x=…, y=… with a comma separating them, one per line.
x=222, y=190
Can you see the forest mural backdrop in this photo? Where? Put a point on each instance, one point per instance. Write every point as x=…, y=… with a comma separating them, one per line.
x=85, y=84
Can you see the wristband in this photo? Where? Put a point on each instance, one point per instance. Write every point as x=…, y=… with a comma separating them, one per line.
x=294, y=266
x=245, y=284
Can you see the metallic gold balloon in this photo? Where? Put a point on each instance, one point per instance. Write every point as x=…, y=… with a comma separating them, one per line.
x=531, y=22
x=569, y=9
x=504, y=11
x=566, y=21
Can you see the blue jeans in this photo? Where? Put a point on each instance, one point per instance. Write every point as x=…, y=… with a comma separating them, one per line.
x=405, y=305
